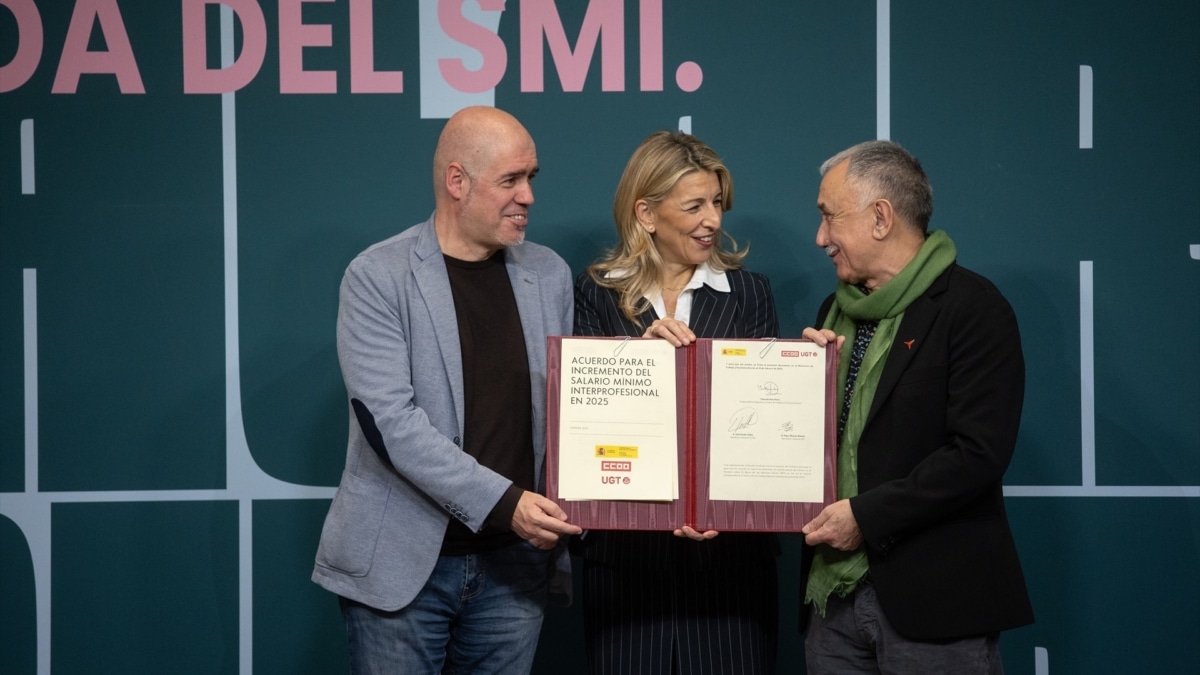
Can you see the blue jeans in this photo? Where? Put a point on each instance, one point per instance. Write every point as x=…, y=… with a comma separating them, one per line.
x=477, y=613
x=855, y=637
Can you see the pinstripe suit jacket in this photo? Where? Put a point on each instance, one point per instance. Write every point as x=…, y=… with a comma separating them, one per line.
x=746, y=311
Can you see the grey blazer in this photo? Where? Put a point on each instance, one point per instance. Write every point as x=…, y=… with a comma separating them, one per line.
x=406, y=474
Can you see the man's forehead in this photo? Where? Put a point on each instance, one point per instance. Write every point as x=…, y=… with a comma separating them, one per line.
x=511, y=158
x=825, y=193
x=515, y=165
x=835, y=185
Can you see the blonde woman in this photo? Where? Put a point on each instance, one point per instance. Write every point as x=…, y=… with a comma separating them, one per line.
x=692, y=602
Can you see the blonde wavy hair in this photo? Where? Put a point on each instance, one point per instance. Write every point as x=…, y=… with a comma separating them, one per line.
x=651, y=173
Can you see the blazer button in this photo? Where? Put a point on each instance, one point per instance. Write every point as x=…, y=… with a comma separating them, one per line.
x=457, y=441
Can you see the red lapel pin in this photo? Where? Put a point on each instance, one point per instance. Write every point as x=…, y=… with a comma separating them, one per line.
x=909, y=343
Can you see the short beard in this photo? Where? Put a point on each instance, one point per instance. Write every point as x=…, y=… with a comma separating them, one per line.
x=517, y=240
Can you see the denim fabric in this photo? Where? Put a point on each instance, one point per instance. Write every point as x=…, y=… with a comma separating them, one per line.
x=477, y=613
x=855, y=637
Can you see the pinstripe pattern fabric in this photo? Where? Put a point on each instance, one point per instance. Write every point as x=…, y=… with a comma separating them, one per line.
x=713, y=620
x=655, y=603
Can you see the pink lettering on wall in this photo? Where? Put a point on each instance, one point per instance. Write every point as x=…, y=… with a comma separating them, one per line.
x=451, y=30
x=364, y=79
x=294, y=36
x=650, y=18
x=77, y=60
x=198, y=78
x=490, y=46
x=604, y=20
x=29, y=45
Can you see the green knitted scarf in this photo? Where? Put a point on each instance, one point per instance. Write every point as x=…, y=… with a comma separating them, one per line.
x=835, y=571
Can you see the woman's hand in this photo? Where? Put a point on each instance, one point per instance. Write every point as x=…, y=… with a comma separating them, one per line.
x=694, y=535
x=673, y=331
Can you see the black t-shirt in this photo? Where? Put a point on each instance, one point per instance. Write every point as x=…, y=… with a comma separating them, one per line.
x=498, y=415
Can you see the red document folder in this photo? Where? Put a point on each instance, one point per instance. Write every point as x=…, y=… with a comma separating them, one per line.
x=693, y=508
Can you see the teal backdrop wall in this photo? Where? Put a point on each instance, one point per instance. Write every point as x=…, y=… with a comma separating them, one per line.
x=174, y=225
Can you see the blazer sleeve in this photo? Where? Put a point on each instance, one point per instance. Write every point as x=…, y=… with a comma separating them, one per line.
x=761, y=319
x=588, y=300
x=597, y=313
x=376, y=358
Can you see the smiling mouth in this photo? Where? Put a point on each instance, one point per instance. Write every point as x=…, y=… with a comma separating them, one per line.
x=707, y=239
x=520, y=218
x=832, y=250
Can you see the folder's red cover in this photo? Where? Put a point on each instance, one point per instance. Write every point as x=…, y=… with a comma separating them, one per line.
x=693, y=368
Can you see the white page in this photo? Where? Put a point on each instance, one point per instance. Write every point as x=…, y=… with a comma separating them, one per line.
x=767, y=425
x=618, y=434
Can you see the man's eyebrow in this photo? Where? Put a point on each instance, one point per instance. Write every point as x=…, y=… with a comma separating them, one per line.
x=517, y=174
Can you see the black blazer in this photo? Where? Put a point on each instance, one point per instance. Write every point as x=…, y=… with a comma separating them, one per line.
x=746, y=311
x=938, y=438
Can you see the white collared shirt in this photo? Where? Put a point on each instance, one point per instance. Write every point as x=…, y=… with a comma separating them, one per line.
x=703, y=275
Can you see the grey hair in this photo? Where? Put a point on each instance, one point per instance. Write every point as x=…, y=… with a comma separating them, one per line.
x=883, y=169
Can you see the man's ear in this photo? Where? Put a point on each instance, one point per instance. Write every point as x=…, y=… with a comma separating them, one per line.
x=885, y=218
x=457, y=180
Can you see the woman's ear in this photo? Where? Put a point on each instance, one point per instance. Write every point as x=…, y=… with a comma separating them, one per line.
x=644, y=214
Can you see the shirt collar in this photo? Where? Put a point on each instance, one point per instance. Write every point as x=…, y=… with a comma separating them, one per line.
x=706, y=275
x=703, y=275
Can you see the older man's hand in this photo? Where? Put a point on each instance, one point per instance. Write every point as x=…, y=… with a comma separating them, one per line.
x=836, y=526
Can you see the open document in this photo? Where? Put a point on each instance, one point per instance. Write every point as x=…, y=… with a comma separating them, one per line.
x=721, y=434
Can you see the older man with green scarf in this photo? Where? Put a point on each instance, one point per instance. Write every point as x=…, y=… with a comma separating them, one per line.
x=913, y=569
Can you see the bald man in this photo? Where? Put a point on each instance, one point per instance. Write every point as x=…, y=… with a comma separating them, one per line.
x=437, y=542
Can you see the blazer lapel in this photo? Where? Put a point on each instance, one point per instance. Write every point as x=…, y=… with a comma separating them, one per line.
x=910, y=337
x=433, y=282
x=709, y=310
x=527, y=290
